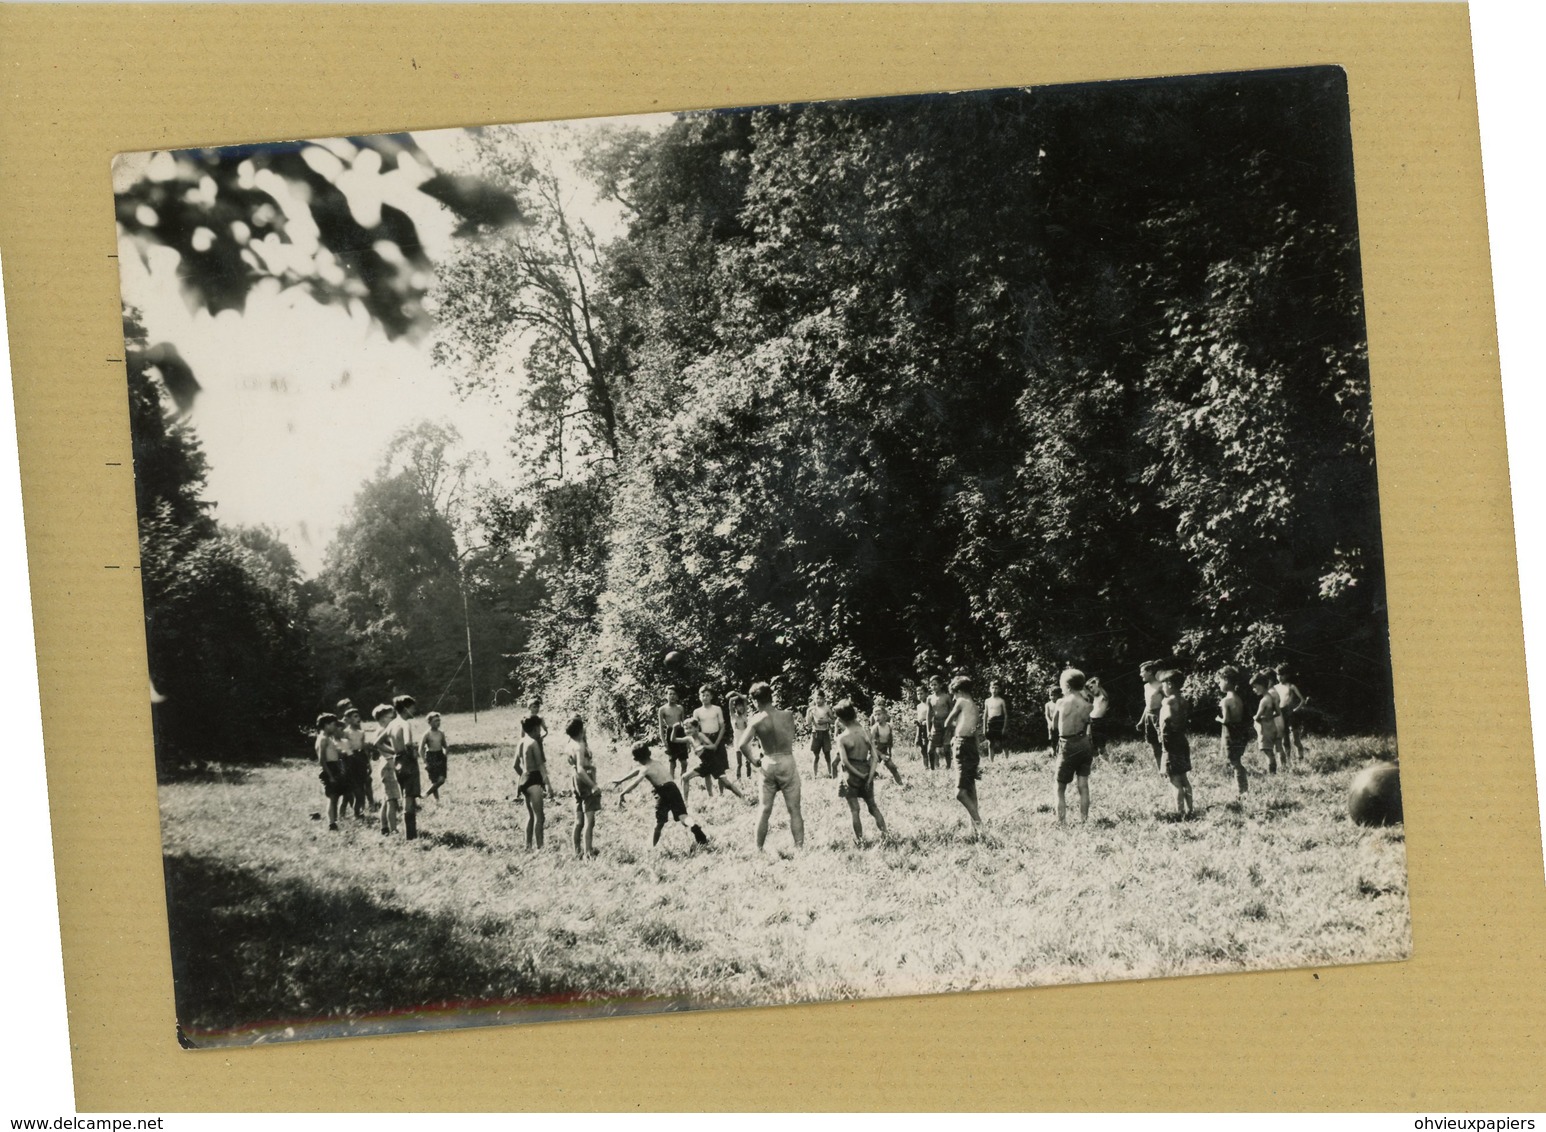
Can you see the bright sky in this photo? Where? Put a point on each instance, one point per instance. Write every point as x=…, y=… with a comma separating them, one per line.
x=299, y=399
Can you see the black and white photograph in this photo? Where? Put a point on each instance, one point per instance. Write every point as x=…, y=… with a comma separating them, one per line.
x=765, y=555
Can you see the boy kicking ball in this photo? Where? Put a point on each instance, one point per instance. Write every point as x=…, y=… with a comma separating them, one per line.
x=669, y=803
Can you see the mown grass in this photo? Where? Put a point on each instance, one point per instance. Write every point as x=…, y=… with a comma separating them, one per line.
x=280, y=928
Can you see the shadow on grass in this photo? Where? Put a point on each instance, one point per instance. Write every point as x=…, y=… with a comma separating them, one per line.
x=252, y=954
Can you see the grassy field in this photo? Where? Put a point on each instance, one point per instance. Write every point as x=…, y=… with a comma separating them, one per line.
x=281, y=929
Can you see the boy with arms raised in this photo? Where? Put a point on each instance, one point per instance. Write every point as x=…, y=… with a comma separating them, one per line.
x=669, y=803
x=856, y=757
x=1173, y=740
x=772, y=729
x=1071, y=719
x=963, y=718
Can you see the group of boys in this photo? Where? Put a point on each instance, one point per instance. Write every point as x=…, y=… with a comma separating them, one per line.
x=346, y=753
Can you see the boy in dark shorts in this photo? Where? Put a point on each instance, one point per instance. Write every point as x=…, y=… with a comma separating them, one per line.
x=334, y=775
x=356, y=761
x=940, y=705
x=884, y=736
x=1234, y=722
x=1290, y=700
x=434, y=749
x=1049, y=711
x=1071, y=720
x=921, y=724
x=740, y=722
x=819, y=719
x=672, y=738
x=531, y=765
x=405, y=760
x=856, y=758
x=711, y=721
x=669, y=803
x=995, y=720
x=587, y=791
x=963, y=719
x=1173, y=741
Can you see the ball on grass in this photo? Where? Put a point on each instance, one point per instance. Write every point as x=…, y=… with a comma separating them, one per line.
x=1374, y=798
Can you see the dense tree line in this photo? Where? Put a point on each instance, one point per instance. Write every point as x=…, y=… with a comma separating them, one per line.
x=998, y=381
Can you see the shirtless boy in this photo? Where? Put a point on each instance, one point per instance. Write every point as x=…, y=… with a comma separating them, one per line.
x=710, y=718
x=1071, y=718
x=939, y=710
x=995, y=720
x=856, y=755
x=669, y=804
x=921, y=724
x=711, y=763
x=672, y=738
x=773, y=729
x=1178, y=749
x=819, y=719
x=1153, y=696
x=884, y=736
x=1290, y=700
x=963, y=718
x=1234, y=722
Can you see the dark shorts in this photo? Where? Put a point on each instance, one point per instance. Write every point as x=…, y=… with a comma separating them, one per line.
x=435, y=766
x=1178, y=754
x=994, y=729
x=821, y=742
x=669, y=803
x=334, y=785
x=703, y=770
x=937, y=736
x=1233, y=742
x=357, y=769
x=884, y=753
x=677, y=750
x=965, y=750
x=859, y=789
x=1074, y=757
x=529, y=781
x=586, y=803
x=920, y=734
x=408, y=776
x=717, y=759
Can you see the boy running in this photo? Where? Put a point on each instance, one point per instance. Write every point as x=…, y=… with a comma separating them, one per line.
x=711, y=768
x=857, y=759
x=1234, y=724
x=587, y=791
x=669, y=803
x=772, y=728
x=1153, y=695
x=819, y=719
x=963, y=718
x=1071, y=718
x=995, y=720
x=1178, y=749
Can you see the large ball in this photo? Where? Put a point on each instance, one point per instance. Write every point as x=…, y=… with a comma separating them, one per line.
x=1374, y=798
x=673, y=660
